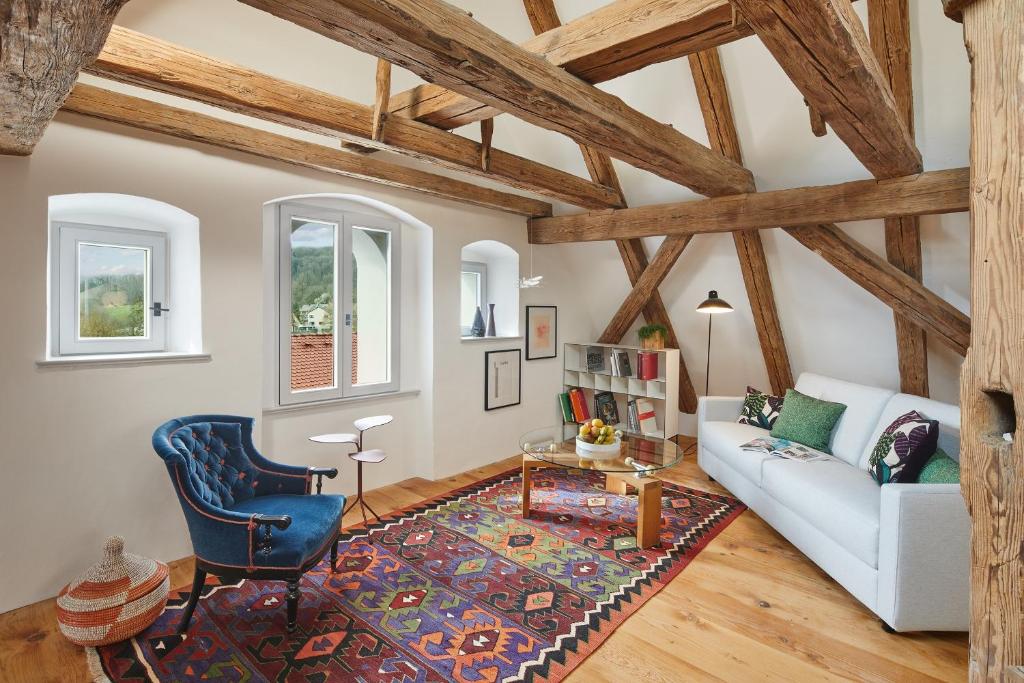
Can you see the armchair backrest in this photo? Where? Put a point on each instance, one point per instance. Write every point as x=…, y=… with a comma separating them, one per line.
x=213, y=451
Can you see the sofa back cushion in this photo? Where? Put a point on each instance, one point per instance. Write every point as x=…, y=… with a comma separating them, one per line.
x=947, y=415
x=864, y=405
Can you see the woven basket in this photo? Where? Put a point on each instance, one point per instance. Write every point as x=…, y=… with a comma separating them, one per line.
x=115, y=599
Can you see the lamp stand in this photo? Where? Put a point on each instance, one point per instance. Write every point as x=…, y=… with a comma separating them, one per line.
x=707, y=369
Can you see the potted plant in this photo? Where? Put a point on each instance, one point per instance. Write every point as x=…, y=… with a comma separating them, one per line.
x=652, y=336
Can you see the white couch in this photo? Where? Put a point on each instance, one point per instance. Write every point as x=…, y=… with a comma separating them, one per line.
x=901, y=549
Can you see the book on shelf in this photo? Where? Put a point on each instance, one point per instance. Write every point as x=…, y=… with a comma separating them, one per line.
x=631, y=422
x=595, y=359
x=647, y=364
x=783, y=448
x=646, y=418
x=605, y=407
x=579, y=405
x=566, y=405
x=620, y=362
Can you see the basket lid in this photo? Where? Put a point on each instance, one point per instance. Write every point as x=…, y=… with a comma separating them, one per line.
x=118, y=579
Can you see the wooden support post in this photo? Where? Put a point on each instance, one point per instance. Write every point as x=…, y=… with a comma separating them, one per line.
x=486, y=134
x=380, y=102
x=544, y=17
x=889, y=33
x=713, y=95
x=992, y=377
x=43, y=46
x=817, y=121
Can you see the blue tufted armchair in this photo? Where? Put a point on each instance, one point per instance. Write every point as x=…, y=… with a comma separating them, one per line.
x=248, y=517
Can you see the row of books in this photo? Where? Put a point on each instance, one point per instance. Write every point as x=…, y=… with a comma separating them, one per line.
x=647, y=362
x=574, y=406
x=640, y=415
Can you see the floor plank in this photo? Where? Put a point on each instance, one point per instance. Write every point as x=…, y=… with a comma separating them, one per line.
x=749, y=607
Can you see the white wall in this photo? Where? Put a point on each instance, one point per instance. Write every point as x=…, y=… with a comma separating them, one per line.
x=77, y=461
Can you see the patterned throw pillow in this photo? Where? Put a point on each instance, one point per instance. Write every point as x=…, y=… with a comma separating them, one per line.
x=760, y=409
x=904, y=448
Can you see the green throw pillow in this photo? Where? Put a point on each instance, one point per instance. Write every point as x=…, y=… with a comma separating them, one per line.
x=807, y=420
x=940, y=469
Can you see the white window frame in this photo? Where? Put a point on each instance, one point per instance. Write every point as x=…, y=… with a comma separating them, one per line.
x=481, y=270
x=345, y=222
x=64, y=289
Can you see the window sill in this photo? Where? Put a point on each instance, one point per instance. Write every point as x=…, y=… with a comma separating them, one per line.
x=312, y=405
x=121, y=359
x=487, y=339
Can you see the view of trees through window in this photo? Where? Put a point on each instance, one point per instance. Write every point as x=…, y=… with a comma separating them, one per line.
x=111, y=291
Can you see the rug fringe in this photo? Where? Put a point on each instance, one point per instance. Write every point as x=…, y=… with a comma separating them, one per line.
x=92, y=656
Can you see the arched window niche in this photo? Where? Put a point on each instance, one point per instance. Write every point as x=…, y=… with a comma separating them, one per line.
x=489, y=275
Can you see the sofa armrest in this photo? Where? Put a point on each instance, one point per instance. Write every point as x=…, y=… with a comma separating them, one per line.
x=718, y=408
x=924, y=557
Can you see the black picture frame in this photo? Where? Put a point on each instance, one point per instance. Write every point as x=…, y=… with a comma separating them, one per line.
x=530, y=355
x=508, y=354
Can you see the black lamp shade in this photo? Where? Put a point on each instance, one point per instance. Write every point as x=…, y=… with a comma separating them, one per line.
x=714, y=305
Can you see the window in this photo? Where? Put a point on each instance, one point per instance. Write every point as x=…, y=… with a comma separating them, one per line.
x=110, y=290
x=338, y=304
x=474, y=294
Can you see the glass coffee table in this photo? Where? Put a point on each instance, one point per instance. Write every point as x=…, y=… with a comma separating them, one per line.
x=634, y=465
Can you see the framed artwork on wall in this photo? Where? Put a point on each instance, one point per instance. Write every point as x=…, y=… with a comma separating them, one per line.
x=503, y=381
x=541, y=332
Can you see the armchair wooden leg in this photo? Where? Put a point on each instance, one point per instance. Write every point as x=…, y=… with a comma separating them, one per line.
x=198, y=581
x=293, y=602
x=334, y=554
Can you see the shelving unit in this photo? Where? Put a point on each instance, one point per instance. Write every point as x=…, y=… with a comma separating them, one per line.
x=663, y=391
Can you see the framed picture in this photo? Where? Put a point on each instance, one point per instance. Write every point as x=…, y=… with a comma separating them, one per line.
x=541, y=332
x=503, y=381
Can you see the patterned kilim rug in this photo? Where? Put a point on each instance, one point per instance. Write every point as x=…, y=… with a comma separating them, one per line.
x=457, y=588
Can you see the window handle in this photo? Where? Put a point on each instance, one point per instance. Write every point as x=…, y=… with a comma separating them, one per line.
x=348, y=320
x=157, y=309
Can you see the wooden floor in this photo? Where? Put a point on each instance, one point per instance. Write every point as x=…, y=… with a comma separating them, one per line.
x=750, y=607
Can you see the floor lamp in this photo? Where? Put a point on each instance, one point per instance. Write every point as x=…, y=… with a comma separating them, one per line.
x=712, y=306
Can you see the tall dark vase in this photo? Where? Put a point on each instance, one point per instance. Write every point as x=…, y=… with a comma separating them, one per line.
x=490, y=320
x=478, y=324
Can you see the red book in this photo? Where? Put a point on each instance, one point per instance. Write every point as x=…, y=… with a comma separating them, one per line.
x=579, y=405
x=647, y=365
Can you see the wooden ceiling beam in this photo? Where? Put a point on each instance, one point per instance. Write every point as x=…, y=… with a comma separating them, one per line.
x=107, y=105
x=822, y=46
x=931, y=192
x=609, y=42
x=716, y=109
x=43, y=46
x=142, y=60
x=440, y=43
x=891, y=285
x=544, y=17
x=889, y=33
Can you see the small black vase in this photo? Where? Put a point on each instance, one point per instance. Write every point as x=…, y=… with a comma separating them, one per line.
x=478, y=324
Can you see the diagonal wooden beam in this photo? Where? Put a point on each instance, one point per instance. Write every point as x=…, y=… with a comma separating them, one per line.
x=713, y=96
x=822, y=46
x=931, y=192
x=142, y=60
x=891, y=285
x=889, y=32
x=613, y=40
x=380, y=102
x=181, y=123
x=544, y=17
x=443, y=44
x=43, y=46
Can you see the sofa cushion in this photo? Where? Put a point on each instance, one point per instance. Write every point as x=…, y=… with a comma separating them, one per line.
x=760, y=409
x=863, y=406
x=723, y=439
x=947, y=414
x=839, y=500
x=808, y=420
x=903, y=449
x=314, y=520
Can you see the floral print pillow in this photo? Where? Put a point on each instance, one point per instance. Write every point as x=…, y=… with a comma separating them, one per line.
x=760, y=409
x=904, y=448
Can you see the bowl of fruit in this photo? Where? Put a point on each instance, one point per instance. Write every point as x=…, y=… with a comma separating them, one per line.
x=598, y=441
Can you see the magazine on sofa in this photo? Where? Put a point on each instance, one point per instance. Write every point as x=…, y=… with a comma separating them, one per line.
x=783, y=448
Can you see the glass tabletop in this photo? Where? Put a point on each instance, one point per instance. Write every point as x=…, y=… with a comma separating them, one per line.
x=557, y=445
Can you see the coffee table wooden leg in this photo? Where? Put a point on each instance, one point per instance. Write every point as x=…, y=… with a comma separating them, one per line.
x=527, y=471
x=615, y=484
x=648, y=513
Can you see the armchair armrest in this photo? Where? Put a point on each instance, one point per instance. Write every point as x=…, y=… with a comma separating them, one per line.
x=718, y=408
x=924, y=557
x=320, y=473
x=281, y=522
